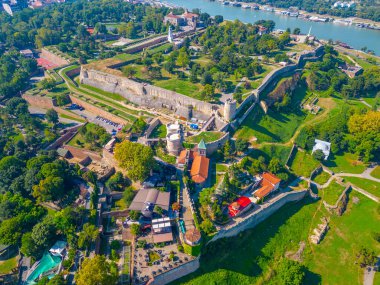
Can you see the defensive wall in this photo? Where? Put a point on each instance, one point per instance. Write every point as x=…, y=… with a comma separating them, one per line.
x=146, y=94
x=50, y=56
x=313, y=55
x=259, y=215
x=176, y=273
x=68, y=135
x=47, y=103
x=215, y=145
x=98, y=111
x=153, y=124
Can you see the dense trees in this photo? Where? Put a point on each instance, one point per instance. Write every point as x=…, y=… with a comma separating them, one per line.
x=97, y=271
x=137, y=159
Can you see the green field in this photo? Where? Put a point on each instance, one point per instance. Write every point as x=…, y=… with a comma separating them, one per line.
x=332, y=192
x=159, y=132
x=303, y=164
x=347, y=162
x=181, y=86
x=370, y=186
x=376, y=172
x=206, y=136
x=270, y=127
x=7, y=265
x=322, y=178
x=251, y=257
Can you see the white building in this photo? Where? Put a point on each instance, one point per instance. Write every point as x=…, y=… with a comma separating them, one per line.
x=323, y=146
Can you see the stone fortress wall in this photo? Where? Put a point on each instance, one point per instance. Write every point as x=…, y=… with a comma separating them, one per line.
x=313, y=55
x=146, y=94
x=176, y=273
x=215, y=145
x=257, y=216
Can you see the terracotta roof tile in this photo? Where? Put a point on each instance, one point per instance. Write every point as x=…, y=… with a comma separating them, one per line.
x=199, y=169
x=273, y=179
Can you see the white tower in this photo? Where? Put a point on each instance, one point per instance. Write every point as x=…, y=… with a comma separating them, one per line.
x=170, y=35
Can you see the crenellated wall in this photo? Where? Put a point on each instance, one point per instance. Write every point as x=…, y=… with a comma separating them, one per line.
x=145, y=94
x=176, y=273
x=259, y=215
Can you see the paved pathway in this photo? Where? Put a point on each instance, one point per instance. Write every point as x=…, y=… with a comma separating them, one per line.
x=366, y=174
x=369, y=273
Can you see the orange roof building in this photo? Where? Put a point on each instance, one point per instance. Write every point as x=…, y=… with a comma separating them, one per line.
x=199, y=169
x=269, y=184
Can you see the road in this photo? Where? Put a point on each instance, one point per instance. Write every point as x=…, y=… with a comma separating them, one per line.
x=369, y=273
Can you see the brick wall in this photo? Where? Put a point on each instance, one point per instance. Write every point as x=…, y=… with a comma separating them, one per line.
x=98, y=111
x=53, y=57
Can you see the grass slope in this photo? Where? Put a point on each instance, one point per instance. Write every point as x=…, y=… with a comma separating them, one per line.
x=303, y=164
x=332, y=192
x=270, y=127
x=347, y=162
x=370, y=186
x=251, y=257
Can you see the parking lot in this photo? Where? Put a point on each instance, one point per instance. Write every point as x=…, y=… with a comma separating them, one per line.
x=111, y=127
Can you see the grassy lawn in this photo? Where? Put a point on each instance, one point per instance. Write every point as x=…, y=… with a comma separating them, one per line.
x=7, y=265
x=113, y=96
x=332, y=192
x=221, y=168
x=370, y=186
x=269, y=151
x=377, y=279
x=347, y=162
x=303, y=164
x=71, y=118
x=270, y=127
x=251, y=257
x=181, y=86
x=166, y=157
x=206, y=136
x=159, y=132
x=322, y=178
x=376, y=172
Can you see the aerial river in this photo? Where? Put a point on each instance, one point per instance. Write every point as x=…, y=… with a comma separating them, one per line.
x=349, y=34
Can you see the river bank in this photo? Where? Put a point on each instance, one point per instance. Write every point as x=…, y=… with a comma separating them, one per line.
x=352, y=35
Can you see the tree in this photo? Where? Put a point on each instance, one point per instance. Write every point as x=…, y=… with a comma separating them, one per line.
x=116, y=182
x=241, y=145
x=208, y=92
x=227, y=150
x=183, y=58
x=52, y=116
x=366, y=257
x=134, y=215
x=97, y=271
x=274, y=165
x=135, y=229
x=88, y=235
x=319, y=155
x=47, y=83
x=218, y=19
x=290, y=272
x=128, y=195
x=50, y=189
x=137, y=159
x=207, y=226
x=296, y=31
x=129, y=71
x=176, y=206
x=100, y=28
x=158, y=210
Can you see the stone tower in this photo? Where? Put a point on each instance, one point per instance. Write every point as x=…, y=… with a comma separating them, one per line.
x=229, y=109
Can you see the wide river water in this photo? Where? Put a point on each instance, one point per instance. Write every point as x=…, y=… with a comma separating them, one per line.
x=352, y=35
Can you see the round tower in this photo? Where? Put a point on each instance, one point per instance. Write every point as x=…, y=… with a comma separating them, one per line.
x=229, y=109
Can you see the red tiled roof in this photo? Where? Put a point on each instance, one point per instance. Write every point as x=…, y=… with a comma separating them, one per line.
x=199, y=169
x=238, y=205
x=273, y=179
x=171, y=15
x=263, y=191
x=267, y=184
x=189, y=15
x=90, y=30
x=183, y=154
